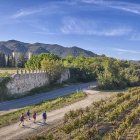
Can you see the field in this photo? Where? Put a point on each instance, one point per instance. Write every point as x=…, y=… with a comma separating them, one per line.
x=8, y=70
x=113, y=119
x=3, y=75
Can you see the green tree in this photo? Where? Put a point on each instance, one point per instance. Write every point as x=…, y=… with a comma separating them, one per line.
x=21, y=61
x=53, y=68
x=110, y=78
x=2, y=60
x=35, y=62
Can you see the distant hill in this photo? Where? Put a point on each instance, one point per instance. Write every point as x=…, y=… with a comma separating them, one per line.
x=135, y=61
x=8, y=47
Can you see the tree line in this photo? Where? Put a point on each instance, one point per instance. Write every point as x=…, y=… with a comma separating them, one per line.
x=110, y=73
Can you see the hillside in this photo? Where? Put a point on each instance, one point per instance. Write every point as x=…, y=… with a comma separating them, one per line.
x=8, y=47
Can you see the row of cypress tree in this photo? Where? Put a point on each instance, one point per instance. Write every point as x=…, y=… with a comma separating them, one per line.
x=10, y=61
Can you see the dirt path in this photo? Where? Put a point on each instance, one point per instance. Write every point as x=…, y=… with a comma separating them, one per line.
x=13, y=132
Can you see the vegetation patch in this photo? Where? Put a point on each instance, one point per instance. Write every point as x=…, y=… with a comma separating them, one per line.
x=5, y=78
x=60, y=102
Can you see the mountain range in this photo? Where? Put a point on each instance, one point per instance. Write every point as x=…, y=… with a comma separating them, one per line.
x=7, y=47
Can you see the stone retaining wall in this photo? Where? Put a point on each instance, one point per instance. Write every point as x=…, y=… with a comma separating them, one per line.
x=21, y=83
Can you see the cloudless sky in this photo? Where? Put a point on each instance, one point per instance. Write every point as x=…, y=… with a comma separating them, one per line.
x=110, y=27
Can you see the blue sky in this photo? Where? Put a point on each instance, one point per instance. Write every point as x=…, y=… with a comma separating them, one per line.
x=110, y=27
